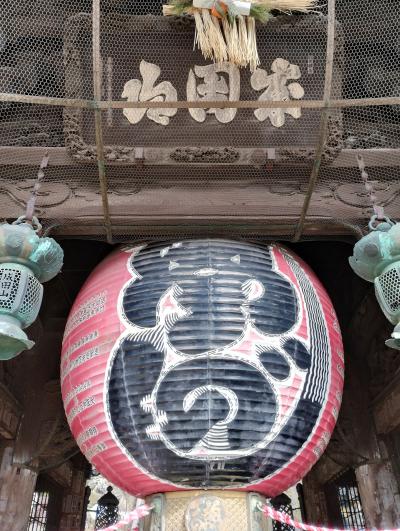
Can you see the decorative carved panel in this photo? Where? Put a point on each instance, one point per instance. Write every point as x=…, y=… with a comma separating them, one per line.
x=146, y=58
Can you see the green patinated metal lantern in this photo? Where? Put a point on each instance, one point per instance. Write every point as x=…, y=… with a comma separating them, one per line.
x=26, y=261
x=376, y=258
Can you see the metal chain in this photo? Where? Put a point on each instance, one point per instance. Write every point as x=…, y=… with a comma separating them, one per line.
x=379, y=213
x=30, y=206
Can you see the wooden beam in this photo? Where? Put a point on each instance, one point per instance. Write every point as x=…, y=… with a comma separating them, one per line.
x=97, y=81
x=31, y=156
x=59, y=156
x=246, y=227
x=376, y=23
x=386, y=407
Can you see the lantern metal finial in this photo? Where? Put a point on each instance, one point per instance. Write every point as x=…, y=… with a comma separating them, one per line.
x=107, y=510
x=376, y=258
x=26, y=260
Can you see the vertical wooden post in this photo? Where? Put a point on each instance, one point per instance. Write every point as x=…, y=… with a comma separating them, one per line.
x=17, y=483
x=97, y=82
x=18, y=456
x=73, y=503
x=16, y=490
x=379, y=494
x=379, y=490
x=314, y=499
x=330, y=51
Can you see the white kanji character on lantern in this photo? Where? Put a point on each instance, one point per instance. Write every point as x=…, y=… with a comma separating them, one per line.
x=135, y=90
x=277, y=90
x=215, y=87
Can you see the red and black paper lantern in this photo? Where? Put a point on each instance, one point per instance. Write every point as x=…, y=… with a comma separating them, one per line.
x=202, y=364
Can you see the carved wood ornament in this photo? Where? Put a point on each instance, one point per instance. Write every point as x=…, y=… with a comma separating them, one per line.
x=135, y=71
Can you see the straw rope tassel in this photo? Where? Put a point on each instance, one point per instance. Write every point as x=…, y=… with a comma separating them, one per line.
x=232, y=39
x=291, y=5
x=215, y=38
x=242, y=40
x=201, y=36
x=252, y=52
x=222, y=47
x=230, y=43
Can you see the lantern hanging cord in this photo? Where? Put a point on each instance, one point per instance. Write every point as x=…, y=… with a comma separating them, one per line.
x=284, y=518
x=378, y=210
x=278, y=516
x=130, y=518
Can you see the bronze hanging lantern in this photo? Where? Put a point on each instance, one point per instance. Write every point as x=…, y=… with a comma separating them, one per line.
x=107, y=510
x=26, y=261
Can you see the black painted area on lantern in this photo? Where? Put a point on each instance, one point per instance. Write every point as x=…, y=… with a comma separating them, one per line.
x=134, y=373
x=216, y=320
x=215, y=301
x=256, y=402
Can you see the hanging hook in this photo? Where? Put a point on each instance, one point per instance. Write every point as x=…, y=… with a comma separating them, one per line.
x=30, y=206
x=380, y=223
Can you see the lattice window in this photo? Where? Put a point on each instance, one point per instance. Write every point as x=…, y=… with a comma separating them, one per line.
x=350, y=507
x=106, y=516
x=344, y=502
x=39, y=511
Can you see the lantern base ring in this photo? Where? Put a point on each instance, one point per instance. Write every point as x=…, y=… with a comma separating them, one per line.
x=394, y=341
x=219, y=510
x=13, y=339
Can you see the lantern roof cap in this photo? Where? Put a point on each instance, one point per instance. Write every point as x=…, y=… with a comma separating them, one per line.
x=20, y=243
x=109, y=498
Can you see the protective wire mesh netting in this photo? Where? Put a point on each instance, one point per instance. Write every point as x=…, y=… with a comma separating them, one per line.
x=147, y=172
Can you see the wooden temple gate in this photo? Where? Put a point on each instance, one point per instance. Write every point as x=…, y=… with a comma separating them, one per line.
x=63, y=69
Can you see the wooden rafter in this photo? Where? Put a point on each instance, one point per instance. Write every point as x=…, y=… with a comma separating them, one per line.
x=323, y=128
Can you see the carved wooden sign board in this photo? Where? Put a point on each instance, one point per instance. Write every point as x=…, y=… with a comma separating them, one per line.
x=151, y=59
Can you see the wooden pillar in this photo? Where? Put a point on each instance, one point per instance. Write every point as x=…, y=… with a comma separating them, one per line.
x=73, y=503
x=379, y=489
x=16, y=490
x=365, y=420
x=379, y=495
x=16, y=484
x=30, y=373
x=314, y=499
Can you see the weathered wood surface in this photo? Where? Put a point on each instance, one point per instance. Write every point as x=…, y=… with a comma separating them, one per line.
x=361, y=447
x=374, y=22
x=386, y=408
x=134, y=201
x=16, y=490
x=154, y=156
x=33, y=384
x=130, y=54
x=149, y=193
x=73, y=503
x=10, y=413
x=154, y=193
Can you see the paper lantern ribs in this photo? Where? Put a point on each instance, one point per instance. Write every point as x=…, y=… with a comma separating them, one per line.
x=202, y=364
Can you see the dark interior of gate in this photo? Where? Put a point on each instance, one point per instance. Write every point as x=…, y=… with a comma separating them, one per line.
x=98, y=171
